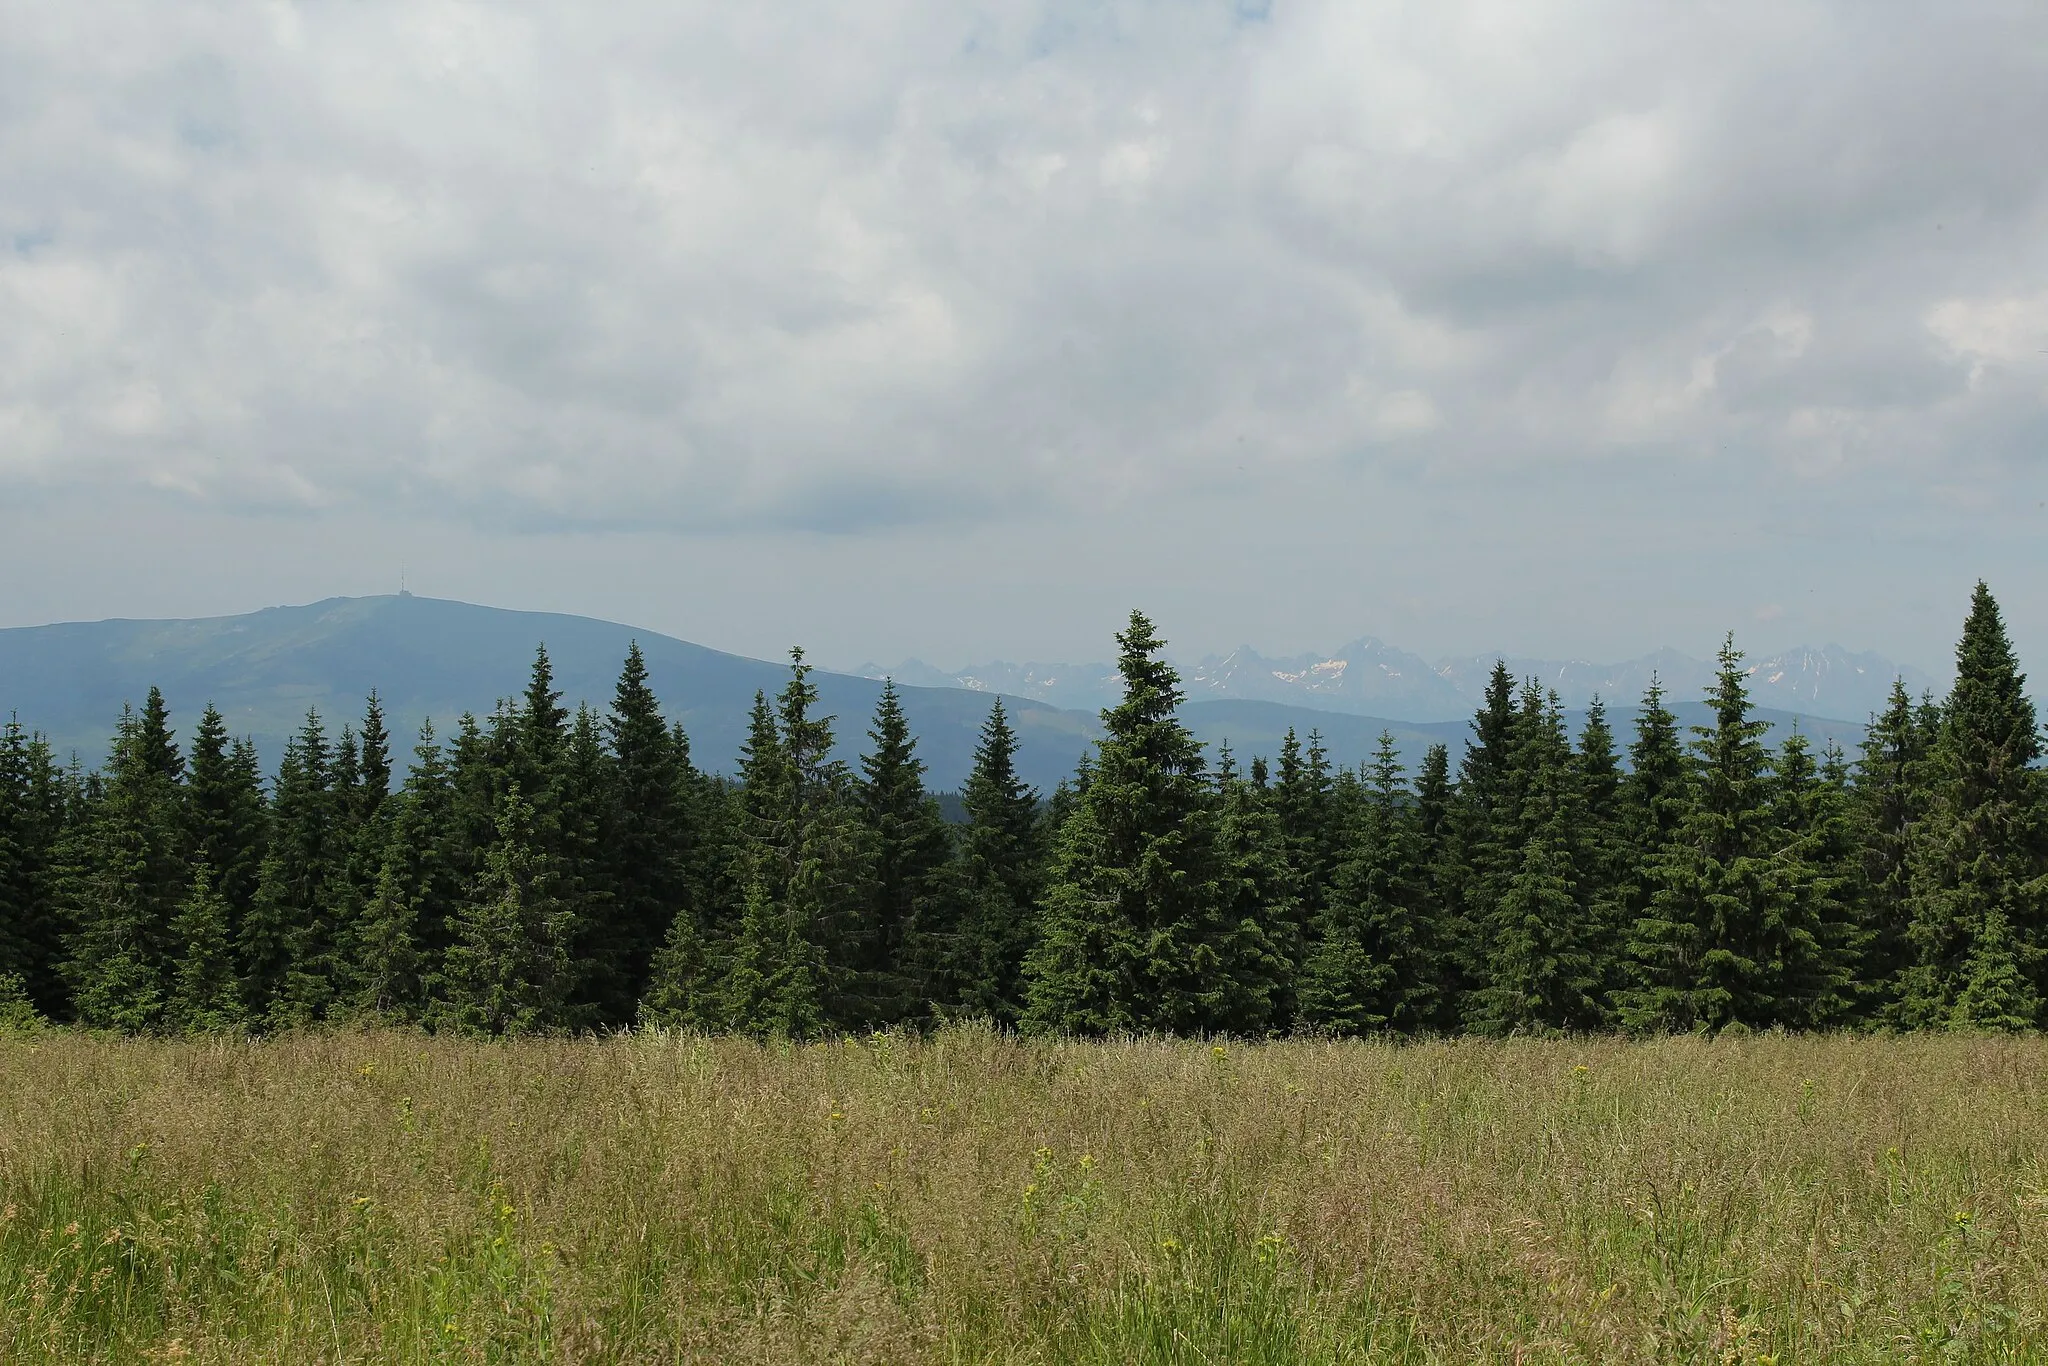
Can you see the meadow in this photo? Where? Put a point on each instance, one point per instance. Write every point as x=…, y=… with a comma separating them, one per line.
x=971, y=1197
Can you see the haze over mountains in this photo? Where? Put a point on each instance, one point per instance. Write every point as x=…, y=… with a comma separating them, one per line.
x=432, y=658
x=1369, y=677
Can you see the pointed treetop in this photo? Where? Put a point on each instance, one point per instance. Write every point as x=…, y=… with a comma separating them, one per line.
x=157, y=744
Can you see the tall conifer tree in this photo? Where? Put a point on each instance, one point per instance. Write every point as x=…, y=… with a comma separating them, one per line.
x=131, y=880
x=205, y=991
x=910, y=928
x=32, y=815
x=1727, y=939
x=1134, y=936
x=410, y=920
x=1003, y=872
x=650, y=845
x=1371, y=967
x=509, y=970
x=1544, y=934
x=1256, y=906
x=226, y=815
x=1892, y=797
x=1980, y=899
x=287, y=930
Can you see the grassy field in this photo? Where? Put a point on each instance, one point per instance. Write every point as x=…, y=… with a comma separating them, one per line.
x=389, y=1197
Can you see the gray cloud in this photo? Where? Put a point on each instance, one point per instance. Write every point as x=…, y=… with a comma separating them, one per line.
x=727, y=269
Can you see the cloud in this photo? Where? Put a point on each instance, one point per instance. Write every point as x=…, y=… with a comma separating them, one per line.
x=723, y=267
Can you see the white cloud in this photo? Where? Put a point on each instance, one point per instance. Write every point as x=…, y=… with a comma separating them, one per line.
x=2005, y=332
x=712, y=266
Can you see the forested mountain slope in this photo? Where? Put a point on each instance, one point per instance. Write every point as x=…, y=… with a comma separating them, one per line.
x=434, y=658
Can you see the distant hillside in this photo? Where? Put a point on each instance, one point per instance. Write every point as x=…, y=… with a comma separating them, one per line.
x=433, y=658
x=1369, y=677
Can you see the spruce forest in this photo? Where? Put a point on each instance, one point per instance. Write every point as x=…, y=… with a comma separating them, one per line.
x=536, y=870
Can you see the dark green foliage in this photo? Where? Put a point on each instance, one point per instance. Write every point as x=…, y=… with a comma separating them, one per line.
x=792, y=963
x=1979, y=903
x=1135, y=876
x=287, y=937
x=1605, y=855
x=683, y=991
x=32, y=815
x=1480, y=852
x=1819, y=853
x=540, y=734
x=226, y=819
x=1002, y=873
x=556, y=869
x=774, y=986
x=1892, y=797
x=408, y=921
x=1545, y=937
x=909, y=931
x=650, y=845
x=1371, y=965
x=1255, y=906
x=584, y=808
x=1730, y=936
x=1081, y=977
x=1304, y=809
x=130, y=881
x=509, y=969
x=205, y=995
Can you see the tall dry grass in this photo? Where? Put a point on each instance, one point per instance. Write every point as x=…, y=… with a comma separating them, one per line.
x=389, y=1197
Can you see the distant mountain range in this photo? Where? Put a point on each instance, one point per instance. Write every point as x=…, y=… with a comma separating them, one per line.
x=1369, y=677
x=434, y=658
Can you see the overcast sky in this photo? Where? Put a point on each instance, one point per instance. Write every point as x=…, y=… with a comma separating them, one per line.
x=955, y=329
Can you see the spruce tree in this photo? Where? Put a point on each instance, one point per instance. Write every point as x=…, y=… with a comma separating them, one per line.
x=1980, y=898
x=206, y=994
x=650, y=845
x=1820, y=853
x=155, y=744
x=1544, y=933
x=1605, y=861
x=409, y=920
x=1303, y=804
x=1726, y=939
x=1082, y=975
x=1371, y=966
x=1656, y=793
x=225, y=813
x=32, y=816
x=540, y=735
x=130, y=881
x=287, y=939
x=799, y=862
x=775, y=985
x=1995, y=993
x=391, y=979
x=1003, y=873
x=909, y=928
x=683, y=990
x=509, y=969
x=374, y=768
x=823, y=893
x=1479, y=849
x=1892, y=798
x=1256, y=906
x=478, y=764
x=583, y=841
x=1135, y=877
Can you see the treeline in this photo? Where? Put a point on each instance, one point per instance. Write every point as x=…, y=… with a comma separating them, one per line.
x=544, y=870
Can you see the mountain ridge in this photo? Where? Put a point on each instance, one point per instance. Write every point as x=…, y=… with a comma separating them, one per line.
x=437, y=658
x=1368, y=676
